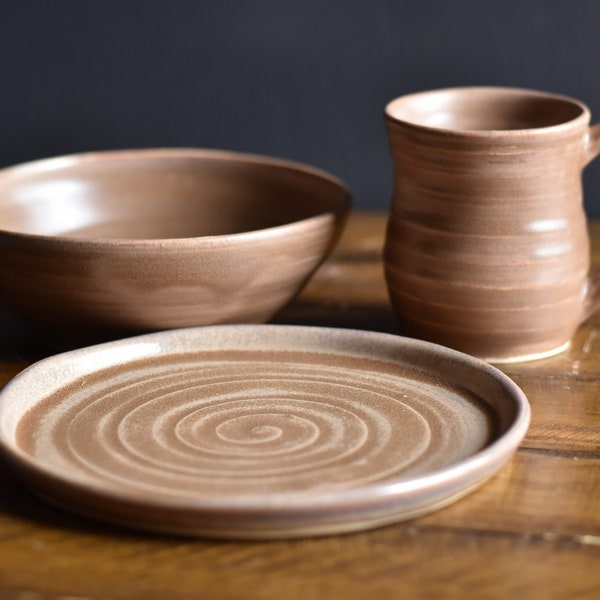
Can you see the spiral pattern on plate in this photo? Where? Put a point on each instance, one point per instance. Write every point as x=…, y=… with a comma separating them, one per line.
x=237, y=424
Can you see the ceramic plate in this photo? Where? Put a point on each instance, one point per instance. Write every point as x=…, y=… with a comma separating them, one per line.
x=259, y=431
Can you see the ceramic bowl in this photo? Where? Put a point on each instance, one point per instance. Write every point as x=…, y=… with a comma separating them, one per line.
x=108, y=243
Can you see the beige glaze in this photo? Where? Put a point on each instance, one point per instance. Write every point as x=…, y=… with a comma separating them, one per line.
x=107, y=243
x=487, y=248
x=259, y=431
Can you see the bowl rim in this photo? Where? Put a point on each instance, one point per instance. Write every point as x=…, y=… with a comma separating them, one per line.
x=57, y=163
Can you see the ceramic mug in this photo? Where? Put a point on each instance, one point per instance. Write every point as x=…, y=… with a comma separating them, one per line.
x=487, y=248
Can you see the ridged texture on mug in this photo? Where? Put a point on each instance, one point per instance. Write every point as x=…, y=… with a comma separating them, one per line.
x=487, y=248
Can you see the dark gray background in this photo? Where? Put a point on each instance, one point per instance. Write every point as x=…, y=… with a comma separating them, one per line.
x=305, y=80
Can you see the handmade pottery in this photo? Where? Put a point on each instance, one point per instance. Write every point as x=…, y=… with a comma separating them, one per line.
x=487, y=248
x=259, y=431
x=109, y=243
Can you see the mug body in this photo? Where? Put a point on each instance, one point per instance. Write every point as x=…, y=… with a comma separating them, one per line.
x=487, y=249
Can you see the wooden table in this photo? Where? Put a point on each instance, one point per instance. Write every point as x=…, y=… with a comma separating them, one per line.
x=533, y=531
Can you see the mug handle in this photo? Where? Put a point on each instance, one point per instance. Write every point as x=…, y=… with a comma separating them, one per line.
x=592, y=144
x=591, y=301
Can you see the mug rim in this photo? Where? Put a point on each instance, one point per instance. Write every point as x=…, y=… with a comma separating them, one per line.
x=583, y=118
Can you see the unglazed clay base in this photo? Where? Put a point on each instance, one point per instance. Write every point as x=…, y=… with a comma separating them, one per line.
x=259, y=431
x=529, y=357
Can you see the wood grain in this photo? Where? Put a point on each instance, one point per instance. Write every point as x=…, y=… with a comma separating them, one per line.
x=532, y=532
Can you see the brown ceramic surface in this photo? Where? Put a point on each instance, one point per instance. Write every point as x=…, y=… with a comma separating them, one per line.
x=154, y=239
x=487, y=248
x=259, y=431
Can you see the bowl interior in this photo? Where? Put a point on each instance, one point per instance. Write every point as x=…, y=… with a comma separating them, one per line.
x=161, y=195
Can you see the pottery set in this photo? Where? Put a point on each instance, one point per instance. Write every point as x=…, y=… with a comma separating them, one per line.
x=218, y=424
